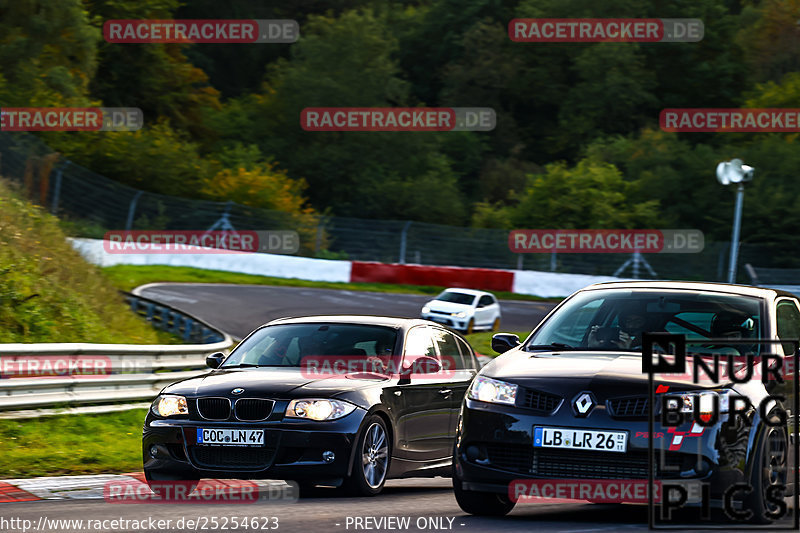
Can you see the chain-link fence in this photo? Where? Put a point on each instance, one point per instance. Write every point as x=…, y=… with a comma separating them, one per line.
x=98, y=204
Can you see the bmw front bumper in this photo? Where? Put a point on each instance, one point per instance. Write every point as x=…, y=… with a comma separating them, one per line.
x=293, y=449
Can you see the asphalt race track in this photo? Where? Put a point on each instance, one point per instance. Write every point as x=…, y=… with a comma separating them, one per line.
x=426, y=505
x=419, y=500
x=238, y=309
x=429, y=504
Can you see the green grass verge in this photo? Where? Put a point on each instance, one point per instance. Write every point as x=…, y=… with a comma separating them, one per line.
x=71, y=445
x=482, y=342
x=127, y=277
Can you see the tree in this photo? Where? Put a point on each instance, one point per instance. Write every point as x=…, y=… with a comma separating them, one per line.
x=348, y=62
x=157, y=78
x=590, y=195
x=47, y=53
x=263, y=186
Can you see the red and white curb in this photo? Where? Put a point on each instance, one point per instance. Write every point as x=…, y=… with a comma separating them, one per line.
x=544, y=284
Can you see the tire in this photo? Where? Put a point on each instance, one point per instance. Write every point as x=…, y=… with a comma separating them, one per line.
x=496, y=324
x=481, y=503
x=163, y=484
x=769, y=469
x=373, y=455
x=470, y=326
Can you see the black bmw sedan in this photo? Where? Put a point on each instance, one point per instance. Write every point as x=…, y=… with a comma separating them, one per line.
x=571, y=402
x=345, y=401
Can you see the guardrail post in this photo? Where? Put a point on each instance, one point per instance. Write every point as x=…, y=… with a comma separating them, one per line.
x=132, y=210
x=57, y=187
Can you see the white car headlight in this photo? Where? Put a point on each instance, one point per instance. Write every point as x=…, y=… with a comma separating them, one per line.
x=170, y=405
x=426, y=309
x=319, y=409
x=492, y=390
x=704, y=398
x=462, y=314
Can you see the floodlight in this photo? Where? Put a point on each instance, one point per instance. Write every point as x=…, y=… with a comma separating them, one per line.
x=734, y=171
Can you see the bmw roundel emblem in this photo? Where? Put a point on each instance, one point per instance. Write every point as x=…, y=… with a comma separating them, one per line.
x=237, y=391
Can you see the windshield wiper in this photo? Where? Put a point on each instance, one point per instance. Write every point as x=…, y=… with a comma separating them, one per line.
x=242, y=365
x=553, y=345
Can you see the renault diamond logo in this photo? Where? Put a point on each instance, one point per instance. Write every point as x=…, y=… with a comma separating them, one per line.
x=237, y=391
x=583, y=403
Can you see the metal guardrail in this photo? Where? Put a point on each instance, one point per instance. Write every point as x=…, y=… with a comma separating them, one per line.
x=128, y=372
x=177, y=322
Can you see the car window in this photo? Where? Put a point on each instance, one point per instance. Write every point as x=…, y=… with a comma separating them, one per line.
x=677, y=324
x=456, y=297
x=419, y=342
x=467, y=356
x=485, y=301
x=788, y=323
x=615, y=319
x=448, y=349
x=288, y=344
x=573, y=328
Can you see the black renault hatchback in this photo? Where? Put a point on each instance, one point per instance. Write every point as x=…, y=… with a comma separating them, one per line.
x=571, y=402
x=347, y=401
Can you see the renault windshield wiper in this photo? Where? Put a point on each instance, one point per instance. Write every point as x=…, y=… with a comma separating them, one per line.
x=551, y=346
x=242, y=365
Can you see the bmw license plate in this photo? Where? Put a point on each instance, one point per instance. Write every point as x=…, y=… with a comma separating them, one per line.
x=230, y=437
x=580, y=439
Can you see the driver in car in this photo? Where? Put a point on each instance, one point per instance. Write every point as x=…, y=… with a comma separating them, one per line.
x=631, y=325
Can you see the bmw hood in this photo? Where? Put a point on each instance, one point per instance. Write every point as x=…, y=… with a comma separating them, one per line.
x=271, y=383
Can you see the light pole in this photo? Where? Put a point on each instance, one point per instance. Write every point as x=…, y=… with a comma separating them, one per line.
x=734, y=171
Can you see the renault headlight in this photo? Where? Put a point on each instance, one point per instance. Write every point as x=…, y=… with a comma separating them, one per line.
x=319, y=409
x=704, y=400
x=426, y=309
x=170, y=405
x=492, y=390
x=462, y=314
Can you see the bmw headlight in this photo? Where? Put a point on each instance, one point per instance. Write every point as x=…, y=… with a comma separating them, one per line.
x=492, y=390
x=319, y=409
x=462, y=314
x=426, y=309
x=170, y=405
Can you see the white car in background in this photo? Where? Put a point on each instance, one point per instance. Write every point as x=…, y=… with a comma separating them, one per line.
x=464, y=309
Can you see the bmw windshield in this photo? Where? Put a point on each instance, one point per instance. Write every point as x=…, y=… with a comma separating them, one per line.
x=614, y=320
x=289, y=344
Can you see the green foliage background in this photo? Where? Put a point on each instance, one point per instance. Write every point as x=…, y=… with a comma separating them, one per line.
x=577, y=142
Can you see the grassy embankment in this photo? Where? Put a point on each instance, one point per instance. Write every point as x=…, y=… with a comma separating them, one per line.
x=48, y=293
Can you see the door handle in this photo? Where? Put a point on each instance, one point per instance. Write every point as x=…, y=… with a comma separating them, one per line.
x=398, y=393
x=445, y=392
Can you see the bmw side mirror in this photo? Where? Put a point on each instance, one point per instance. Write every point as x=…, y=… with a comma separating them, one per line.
x=503, y=342
x=420, y=365
x=215, y=359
